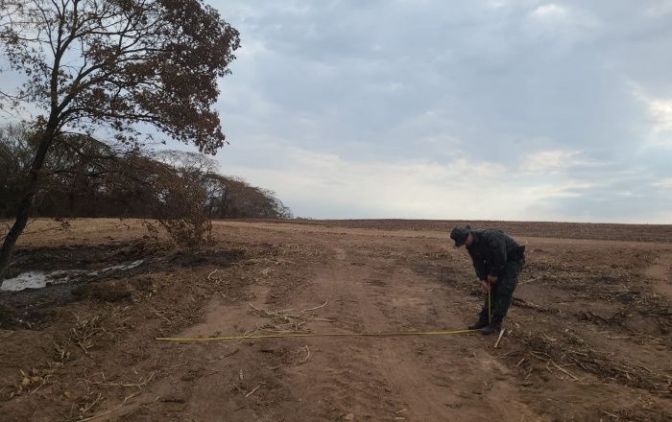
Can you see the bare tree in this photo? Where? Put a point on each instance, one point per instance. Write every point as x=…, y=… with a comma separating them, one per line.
x=118, y=65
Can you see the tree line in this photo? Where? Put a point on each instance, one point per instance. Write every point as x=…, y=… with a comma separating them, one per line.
x=84, y=177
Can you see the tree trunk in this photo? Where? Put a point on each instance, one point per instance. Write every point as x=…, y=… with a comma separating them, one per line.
x=26, y=204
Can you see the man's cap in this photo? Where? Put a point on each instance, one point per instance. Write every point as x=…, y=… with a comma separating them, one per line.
x=460, y=234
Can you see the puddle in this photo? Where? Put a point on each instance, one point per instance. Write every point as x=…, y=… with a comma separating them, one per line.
x=29, y=280
x=41, y=279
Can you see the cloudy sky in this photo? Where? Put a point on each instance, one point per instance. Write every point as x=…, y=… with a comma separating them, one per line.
x=505, y=110
x=453, y=109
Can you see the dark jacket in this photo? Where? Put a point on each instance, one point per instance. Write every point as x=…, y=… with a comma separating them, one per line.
x=491, y=250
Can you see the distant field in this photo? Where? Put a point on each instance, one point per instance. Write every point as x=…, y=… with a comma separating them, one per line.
x=599, y=231
x=633, y=232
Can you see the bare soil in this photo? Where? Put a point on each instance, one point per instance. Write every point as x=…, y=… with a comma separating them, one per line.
x=588, y=338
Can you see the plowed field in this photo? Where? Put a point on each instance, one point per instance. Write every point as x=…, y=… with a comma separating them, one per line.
x=588, y=337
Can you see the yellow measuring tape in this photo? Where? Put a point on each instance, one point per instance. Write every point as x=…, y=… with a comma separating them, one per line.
x=316, y=335
x=311, y=335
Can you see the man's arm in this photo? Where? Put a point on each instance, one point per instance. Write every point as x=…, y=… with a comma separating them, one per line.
x=479, y=266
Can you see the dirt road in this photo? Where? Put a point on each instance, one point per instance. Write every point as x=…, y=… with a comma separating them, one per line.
x=589, y=334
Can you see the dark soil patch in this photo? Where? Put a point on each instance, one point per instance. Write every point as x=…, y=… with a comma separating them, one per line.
x=31, y=308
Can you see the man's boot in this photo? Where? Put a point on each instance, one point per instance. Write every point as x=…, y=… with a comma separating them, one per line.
x=491, y=329
x=481, y=323
x=494, y=327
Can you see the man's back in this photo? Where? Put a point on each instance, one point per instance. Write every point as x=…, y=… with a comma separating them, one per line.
x=491, y=250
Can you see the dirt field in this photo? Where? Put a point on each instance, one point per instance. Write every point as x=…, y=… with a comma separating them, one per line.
x=588, y=338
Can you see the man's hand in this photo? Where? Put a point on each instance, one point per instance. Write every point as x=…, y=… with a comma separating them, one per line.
x=492, y=279
x=485, y=286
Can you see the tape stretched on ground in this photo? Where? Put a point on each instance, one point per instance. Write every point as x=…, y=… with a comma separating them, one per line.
x=311, y=335
x=316, y=335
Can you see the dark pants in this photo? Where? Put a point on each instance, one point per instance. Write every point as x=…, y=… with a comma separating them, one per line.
x=501, y=293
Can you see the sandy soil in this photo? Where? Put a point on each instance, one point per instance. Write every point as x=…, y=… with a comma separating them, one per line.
x=588, y=337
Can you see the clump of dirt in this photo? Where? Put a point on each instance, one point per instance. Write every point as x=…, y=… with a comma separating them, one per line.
x=216, y=257
x=13, y=318
x=103, y=292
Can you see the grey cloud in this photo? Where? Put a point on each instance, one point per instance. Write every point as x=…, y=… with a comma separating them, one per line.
x=440, y=80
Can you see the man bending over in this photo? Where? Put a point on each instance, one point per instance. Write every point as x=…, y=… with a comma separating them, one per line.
x=498, y=260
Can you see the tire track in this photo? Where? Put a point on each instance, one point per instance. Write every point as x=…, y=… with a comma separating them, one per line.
x=410, y=378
